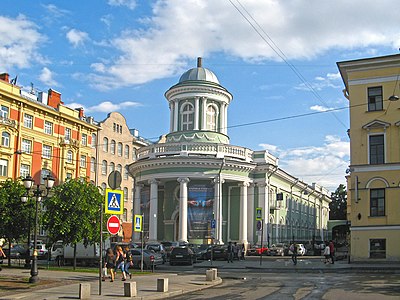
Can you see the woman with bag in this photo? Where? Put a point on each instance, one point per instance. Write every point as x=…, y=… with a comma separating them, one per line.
x=120, y=262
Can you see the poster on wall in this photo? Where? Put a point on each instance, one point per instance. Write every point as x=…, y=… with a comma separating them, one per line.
x=200, y=210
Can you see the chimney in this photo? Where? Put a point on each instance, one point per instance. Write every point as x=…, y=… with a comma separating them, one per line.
x=199, y=62
x=80, y=112
x=5, y=77
x=54, y=99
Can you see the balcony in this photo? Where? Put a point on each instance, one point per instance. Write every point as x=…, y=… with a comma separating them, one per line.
x=8, y=122
x=67, y=141
x=195, y=149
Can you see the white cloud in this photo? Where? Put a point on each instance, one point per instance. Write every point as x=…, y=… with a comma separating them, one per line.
x=324, y=165
x=106, y=106
x=331, y=80
x=320, y=108
x=76, y=37
x=107, y=20
x=178, y=31
x=131, y=4
x=46, y=77
x=19, y=43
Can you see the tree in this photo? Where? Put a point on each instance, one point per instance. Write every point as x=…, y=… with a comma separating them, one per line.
x=73, y=213
x=338, y=206
x=14, y=220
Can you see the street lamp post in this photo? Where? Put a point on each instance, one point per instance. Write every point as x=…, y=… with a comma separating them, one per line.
x=37, y=193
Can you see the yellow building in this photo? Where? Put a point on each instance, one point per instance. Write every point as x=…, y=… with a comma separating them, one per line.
x=372, y=88
x=40, y=136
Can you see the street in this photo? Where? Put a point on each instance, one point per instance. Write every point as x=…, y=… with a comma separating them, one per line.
x=260, y=285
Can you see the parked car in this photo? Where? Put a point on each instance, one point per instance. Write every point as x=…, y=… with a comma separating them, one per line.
x=42, y=252
x=150, y=258
x=158, y=248
x=17, y=251
x=168, y=246
x=218, y=252
x=201, y=251
x=256, y=250
x=278, y=249
x=182, y=255
x=301, y=250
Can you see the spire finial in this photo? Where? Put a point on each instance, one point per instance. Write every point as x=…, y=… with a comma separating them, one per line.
x=199, y=62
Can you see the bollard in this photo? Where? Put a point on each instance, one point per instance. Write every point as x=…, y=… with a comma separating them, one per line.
x=211, y=274
x=130, y=289
x=162, y=285
x=84, y=291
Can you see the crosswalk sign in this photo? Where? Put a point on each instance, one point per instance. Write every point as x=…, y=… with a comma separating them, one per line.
x=138, y=223
x=114, y=202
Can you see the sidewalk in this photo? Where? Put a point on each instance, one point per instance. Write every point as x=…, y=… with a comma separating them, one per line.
x=67, y=286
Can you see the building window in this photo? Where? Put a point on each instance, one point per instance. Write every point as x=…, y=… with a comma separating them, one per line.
x=69, y=176
x=119, y=168
x=211, y=118
x=28, y=121
x=4, y=112
x=44, y=173
x=94, y=137
x=126, y=152
x=126, y=172
x=125, y=194
x=376, y=149
x=112, y=167
x=377, y=248
x=119, y=149
x=105, y=144
x=187, y=117
x=69, y=156
x=375, y=98
x=5, y=139
x=83, y=161
x=84, y=139
x=377, y=202
x=112, y=147
x=125, y=215
x=26, y=146
x=24, y=170
x=48, y=127
x=68, y=134
x=104, y=167
x=46, y=151
x=3, y=167
x=92, y=164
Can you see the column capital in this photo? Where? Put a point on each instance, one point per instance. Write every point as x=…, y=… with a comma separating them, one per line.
x=261, y=184
x=244, y=184
x=139, y=185
x=154, y=181
x=183, y=179
x=217, y=179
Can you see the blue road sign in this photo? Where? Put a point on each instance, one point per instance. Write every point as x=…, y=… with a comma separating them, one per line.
x=114, y=202
x=213, y=223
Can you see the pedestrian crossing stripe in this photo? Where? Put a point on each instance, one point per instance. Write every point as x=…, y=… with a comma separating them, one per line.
x=114, y=202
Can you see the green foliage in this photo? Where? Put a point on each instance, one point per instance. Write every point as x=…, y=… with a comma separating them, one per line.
x=338, y=206
x=73, y=212
x=14, y=214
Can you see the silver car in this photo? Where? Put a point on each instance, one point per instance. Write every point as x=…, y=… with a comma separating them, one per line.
x=150, y=258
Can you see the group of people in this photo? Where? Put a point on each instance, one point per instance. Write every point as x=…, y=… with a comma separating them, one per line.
x=121, y=260
x=235, y=251
x=329, y=252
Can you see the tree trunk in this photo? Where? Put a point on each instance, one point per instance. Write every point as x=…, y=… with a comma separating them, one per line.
x=74, y=264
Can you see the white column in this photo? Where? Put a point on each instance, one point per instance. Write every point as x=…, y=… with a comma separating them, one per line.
x=226, y=119
x=136, y=208
x=153, y=210
x=266, y=214
x=176, y=115
x=196, y=113
x=171, y=116
x=221, y=120
x=243, y=213
x=183, y=209
x=263, y=203
x=204, y=113
x=250, y=213
x=218, y=209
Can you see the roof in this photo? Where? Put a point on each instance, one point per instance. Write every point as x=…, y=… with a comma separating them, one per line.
x=199, y=74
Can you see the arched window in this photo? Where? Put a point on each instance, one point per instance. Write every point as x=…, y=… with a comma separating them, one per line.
x=103, y=188
x=125, y=216
x=112, y=147
x=5, y=139
x=119, y=168
x=104, y=167
x=112, y=167
x=126, y=151
x=126, y=172
x=211, y=118
x=105, y=144
x=119, y=150
x=94, y=137
x=92, y=164
x=69, y=156
x=126, y=194
x=187, y=117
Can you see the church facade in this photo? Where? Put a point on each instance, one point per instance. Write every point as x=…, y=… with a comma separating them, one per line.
x=194, y=186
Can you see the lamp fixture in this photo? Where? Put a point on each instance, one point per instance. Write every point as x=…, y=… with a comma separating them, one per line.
x=393, y=98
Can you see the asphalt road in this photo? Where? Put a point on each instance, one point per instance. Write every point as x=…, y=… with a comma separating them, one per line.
x=254, y=285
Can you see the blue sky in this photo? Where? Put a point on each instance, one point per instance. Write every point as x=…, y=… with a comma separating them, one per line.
x=277, y=58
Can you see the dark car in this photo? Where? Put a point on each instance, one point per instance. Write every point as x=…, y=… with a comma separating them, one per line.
x=182, y=255
x=201, y=251
x=17, y=251
x=168, y=246
x=218, y=252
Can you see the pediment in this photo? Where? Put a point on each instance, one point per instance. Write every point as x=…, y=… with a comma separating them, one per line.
x=376, y=124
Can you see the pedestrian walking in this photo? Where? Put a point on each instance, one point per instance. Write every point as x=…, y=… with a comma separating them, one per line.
x=235, y=251
x=120, y=262
x=293, y=249
x=332, y=251
x=110, y=263
x=2, y=255
x=128, y=261
x=230, y=252
x=327, y=253
x=243, y=251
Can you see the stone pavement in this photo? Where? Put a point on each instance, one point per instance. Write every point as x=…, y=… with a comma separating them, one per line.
x=183, y=282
